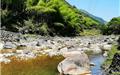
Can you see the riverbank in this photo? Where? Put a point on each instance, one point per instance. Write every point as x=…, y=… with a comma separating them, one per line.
x=27, y=47
x=112, y=63
x=32, y=46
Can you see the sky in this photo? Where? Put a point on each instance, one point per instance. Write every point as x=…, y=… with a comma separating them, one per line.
x=106, y=9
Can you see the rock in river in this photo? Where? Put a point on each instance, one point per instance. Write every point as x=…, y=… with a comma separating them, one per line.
x=75, y=63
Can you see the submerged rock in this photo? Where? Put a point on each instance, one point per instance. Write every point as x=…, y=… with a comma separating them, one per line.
x=26, y=56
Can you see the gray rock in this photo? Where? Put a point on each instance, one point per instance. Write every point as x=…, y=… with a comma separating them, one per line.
x=63, y=50
x=106, y=47
x=26, y=51
x=41, y=42
x=9, y=45
x=1, y=46
x=95, y=48
x=27, y=56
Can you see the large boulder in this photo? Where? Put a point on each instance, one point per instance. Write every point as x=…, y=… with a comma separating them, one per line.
x=75, y=62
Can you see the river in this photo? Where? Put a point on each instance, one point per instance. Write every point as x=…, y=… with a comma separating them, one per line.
x=97, y=60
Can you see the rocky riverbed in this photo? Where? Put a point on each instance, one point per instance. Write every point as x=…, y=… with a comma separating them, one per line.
x=27, y=47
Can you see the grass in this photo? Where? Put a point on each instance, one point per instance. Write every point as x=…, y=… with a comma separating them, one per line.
x=42, y=65
x=92, y=32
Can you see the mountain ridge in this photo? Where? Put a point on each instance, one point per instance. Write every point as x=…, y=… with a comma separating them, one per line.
x=101, y=20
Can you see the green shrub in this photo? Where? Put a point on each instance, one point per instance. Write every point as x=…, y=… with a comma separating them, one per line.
x=111, y=54
x=112, y=27
x=91, y=32
x=44, y=29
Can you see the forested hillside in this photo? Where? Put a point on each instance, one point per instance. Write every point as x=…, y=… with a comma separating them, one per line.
x=44, y=17
x=112, y=27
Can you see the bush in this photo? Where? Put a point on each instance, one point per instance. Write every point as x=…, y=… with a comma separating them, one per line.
x=43, y=29
x=111, y=54
x=113, y=27
x=92, y=32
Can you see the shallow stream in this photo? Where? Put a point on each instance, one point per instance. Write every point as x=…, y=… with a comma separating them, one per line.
x=97, y=60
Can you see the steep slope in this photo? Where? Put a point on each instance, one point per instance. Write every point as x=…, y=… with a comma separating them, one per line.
x=45, y=17
x=102, y=21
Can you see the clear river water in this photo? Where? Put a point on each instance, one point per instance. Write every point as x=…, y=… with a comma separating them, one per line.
x=97, y=60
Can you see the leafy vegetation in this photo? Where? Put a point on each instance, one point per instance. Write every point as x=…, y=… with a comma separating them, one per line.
x=45, y=17
x=91, y=32
x=108, y=61
x=111, y=54
x=51, y=17
x=112, y=27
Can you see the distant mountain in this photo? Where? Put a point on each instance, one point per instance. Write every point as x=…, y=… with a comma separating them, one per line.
x=102, y=21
